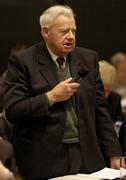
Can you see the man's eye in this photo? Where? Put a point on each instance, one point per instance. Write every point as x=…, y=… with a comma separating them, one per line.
x=64, y=31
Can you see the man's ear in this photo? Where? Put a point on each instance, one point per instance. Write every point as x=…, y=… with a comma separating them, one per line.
x=44, y=32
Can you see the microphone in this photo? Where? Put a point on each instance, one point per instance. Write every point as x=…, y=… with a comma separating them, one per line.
x=80, y=75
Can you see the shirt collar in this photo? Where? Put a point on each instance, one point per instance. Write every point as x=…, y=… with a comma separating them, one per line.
x=54, y=56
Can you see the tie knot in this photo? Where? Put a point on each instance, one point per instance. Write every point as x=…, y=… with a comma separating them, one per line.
x=61, y=63
x=60, y=60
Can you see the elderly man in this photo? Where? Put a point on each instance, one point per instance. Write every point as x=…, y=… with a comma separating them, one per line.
x=61, y=124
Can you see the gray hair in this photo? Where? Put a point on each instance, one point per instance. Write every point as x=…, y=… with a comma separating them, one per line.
x=48, y=16
x=108, y=72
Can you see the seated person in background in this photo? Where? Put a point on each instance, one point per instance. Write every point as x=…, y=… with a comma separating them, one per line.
x=108, y=76
x=8, y=167
x=119, y=61
x=7, y=160
x=5, y=174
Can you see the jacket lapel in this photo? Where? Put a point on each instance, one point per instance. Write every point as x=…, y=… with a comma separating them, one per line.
x=76, y=64
x=47, y=66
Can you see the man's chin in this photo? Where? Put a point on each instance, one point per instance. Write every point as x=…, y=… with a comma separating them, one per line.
x=68, y=50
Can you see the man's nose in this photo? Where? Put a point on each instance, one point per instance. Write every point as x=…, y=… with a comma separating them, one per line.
x=70, y=34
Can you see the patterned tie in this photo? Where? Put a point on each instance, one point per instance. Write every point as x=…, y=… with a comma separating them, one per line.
x=61, y=63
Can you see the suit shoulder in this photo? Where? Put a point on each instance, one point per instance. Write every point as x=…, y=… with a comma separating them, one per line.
x=88, y=56
x=85, y=51
x=26, y=54
x=28, y=51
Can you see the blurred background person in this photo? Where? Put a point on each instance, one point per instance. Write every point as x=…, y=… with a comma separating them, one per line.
x=8, y=168
x=109, y=78
x=5, y=174
x=119, y=61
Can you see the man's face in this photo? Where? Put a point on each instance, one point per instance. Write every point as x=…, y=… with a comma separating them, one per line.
x=60, y=37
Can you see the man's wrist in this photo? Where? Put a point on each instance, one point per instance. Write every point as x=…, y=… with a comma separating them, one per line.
x=50, y=97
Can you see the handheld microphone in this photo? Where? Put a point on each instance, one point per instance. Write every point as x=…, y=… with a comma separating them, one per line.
x=80, y=75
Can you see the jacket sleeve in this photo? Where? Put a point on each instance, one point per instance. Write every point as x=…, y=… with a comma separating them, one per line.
x=19, y=104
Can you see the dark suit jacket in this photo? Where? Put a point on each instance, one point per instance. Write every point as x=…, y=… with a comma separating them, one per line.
x=122, y=137
x=114, y=107
x=39, y=128
x=1, y=93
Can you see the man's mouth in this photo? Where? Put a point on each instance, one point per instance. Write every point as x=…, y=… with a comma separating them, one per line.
x=68, y=45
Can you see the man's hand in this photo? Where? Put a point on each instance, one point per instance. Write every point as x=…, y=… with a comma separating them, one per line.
x=63, y=91
x=115, y=163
